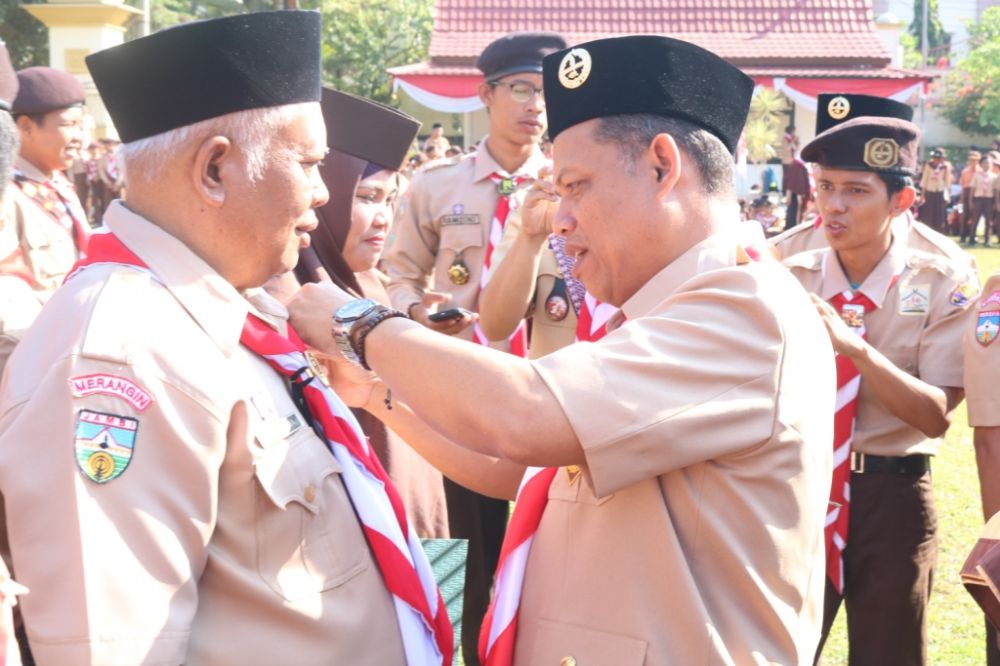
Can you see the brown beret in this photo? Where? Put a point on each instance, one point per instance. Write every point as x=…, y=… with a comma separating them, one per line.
x=8, y=80
x=44, y=89
x=868, y=143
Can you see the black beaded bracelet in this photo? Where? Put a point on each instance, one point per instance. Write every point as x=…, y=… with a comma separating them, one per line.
x=364, y=326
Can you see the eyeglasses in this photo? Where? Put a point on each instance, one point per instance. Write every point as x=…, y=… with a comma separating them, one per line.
x=520, y=91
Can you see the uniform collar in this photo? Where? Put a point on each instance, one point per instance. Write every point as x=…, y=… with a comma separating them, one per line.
x=218, y=308
x=720, y=250
x=486, y=166
x=30, y=170
x=876, y=286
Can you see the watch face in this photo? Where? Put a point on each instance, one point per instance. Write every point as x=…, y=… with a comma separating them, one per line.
x=354, y=310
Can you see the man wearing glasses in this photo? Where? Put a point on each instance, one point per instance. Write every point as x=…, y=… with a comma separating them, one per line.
x=446, y=233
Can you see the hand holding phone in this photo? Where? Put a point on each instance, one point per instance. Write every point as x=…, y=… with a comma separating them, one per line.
x=445, y=315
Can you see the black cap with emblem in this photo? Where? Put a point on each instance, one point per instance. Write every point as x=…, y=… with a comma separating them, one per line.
x=835, y=108
x=201, y=70
x=882, y=145
x=646, y=74
x=517, y=52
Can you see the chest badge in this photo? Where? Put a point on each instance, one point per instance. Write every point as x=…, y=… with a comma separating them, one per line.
x=557, y=303
x=853, y=315
x=458, y=272
x=104, y=444
x=914, y=299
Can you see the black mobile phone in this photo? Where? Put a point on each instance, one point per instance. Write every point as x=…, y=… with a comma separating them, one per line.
x=445, y=315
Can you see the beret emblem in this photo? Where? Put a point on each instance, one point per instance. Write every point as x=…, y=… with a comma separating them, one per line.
x=839, y=107
x=881, y=153
x=574, y=68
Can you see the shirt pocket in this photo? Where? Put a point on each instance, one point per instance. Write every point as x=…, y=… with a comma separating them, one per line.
x=50, y=249
x=308, y=538
x=560, y=643
x=456, y=238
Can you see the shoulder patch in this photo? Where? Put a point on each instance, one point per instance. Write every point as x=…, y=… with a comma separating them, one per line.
x=104, y=444
x=963, y=294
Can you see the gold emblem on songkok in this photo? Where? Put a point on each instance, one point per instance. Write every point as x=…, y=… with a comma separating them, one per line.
x=574, y=70
x=839, y=107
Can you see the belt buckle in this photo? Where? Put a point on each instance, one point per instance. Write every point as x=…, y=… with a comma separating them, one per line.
x=857, y=462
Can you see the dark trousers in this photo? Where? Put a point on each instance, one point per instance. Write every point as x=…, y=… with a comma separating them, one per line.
x=483, y=521
x=888, y=570
x=934, y=211
x=982, y=207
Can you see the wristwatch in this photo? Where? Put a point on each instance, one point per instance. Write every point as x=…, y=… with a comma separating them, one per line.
x=343, y=319
x=353, y=322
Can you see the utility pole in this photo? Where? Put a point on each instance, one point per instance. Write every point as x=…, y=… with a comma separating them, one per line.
x=925, y=12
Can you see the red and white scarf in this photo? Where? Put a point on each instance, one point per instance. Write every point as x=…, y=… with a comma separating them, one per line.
x=519, y=338
x=58, y=199
x=420, y=610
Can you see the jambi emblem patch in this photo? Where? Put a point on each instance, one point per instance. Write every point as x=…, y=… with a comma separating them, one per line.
x=104, y=444
x=987, y=326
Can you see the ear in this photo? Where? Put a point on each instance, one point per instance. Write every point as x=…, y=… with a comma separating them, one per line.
x=210, y=161
x=25, y=124
x=903, y=200
x=664, y=158
x=486, y=94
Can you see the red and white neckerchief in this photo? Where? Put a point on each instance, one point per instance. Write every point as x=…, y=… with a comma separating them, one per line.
x=852, y=307
x=499, y=630
x=420, y=610
x=58, y=199
x=519, y=338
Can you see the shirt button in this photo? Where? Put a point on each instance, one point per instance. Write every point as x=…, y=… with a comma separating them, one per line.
x=567, y=661
x=310, y=493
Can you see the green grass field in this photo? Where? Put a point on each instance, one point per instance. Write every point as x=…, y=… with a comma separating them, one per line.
x=955, y=625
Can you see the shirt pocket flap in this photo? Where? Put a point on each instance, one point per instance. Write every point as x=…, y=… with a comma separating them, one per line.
x=460, y=236
x=560, y=643
x=292, y=470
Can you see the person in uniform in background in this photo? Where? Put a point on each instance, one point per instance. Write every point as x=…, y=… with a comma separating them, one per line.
x=982, y=367
x=368, y=143
x=445, y=236
x=982, y=185
x=833, y=109
x=438, y=141
x=111, y=175
x=965, y=182
x=895, y=316
x=205, y=498
x=43, y=229
x=679, y=516
x=935, y=189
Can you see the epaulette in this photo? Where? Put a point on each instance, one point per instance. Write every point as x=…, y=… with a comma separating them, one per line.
x=947, y=246
x=108, y=330
x=810, y=260
x=446, y=162
x=947, y=266
x=791, y=233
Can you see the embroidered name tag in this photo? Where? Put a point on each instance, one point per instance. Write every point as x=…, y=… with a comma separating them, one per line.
x=113, y=385
x=453, y=220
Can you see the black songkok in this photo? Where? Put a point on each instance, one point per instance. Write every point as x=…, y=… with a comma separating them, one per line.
x=835, y=108
x=650, y=75
x=206, y=69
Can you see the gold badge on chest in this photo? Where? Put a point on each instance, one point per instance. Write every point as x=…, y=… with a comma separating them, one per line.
x=458, y=272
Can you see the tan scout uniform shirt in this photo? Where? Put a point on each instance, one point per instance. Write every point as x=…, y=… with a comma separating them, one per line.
x=547, y=334
x=982, y=357
x=918, y=325
x=229, y=538
x=448, y=214
x=696, y=536
x=918, y=235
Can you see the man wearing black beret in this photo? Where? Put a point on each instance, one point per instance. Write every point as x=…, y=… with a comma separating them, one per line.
x=203, y=495
x=446, y=232
x=833, y=109
x=43, y=227
x=895, y=316
x=678, y=469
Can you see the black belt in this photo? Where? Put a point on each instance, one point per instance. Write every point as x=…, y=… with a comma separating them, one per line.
x=864, y=463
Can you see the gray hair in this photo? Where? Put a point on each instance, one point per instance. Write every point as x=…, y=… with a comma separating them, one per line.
x=251, y=131
x=634, y=132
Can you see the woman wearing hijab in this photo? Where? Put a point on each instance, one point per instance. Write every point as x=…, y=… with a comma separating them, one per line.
x=368, y=143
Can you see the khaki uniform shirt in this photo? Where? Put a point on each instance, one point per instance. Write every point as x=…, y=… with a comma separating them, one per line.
x=807, y=236
x=936, y=178
x=447, y=217
x=918, y=325
x=229, y=538
x=982, y=357
x=695, y=534
x=547, y=334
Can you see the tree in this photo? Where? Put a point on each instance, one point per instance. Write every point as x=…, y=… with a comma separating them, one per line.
x=26, y=37
x=362, y=38
x=972, y=90
x=938, y=41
